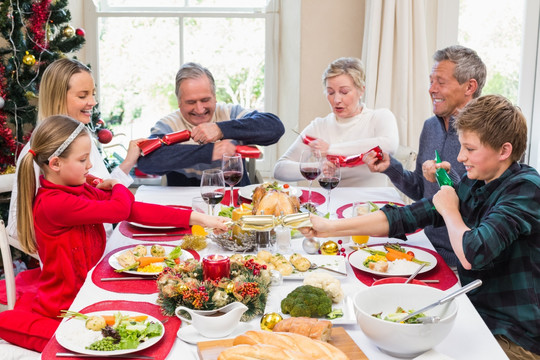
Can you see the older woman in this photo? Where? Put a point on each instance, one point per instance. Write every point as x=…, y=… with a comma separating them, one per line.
x=350, y=128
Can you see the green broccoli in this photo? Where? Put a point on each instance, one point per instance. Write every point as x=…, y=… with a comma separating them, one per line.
x=308, y=301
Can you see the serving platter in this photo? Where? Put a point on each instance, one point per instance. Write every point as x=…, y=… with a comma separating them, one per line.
x=335, y=262
x=278, y=293
x=247, y=191
x=357, y=258
x=73, y=335
x=113, y=260
x=189, y=334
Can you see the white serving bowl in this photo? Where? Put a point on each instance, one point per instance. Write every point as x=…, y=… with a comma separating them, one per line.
x=403, y=340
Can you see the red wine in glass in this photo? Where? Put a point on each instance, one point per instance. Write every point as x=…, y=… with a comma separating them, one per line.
x=212, y=198
x=310, y=167
x=233, y=168
x=328, y=183
x=310, y=173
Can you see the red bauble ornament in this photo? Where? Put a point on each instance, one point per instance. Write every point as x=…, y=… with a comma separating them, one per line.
x=80, y=32
x=105, y=136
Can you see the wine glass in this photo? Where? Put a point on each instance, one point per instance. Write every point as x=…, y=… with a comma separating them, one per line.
x=233, y=170
x=330, y=177
x=310, y=167
x=212, y=187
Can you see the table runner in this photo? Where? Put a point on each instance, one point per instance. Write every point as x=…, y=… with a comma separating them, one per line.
x=447, y=278
x=158, y=351
x=104, y=270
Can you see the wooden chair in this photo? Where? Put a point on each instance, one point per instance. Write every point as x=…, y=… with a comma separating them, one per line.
x=8, y=266
x=407, y=157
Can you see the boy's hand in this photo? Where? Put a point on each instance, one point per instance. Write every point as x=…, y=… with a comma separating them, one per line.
x=320, y=227
x=107, y=184
x=429, y=167
x=373, y=162
x=446, y=200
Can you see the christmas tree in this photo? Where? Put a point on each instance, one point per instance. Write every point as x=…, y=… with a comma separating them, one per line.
x=33, y=34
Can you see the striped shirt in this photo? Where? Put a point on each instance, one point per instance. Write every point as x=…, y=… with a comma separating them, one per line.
x=502, y=245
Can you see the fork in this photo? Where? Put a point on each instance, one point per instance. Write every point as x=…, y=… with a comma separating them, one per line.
x=314, y=266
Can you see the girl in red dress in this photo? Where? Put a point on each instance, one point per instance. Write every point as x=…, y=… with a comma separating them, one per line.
x=63, y=223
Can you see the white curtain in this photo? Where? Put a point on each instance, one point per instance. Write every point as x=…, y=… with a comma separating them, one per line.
x=398, y=63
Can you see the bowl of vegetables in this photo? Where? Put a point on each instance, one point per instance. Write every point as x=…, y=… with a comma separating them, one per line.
x=379, y=310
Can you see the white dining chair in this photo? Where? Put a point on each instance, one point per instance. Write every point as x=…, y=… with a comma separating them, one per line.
x=8, y=266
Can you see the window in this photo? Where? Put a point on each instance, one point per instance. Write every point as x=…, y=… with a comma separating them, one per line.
x=141, y=44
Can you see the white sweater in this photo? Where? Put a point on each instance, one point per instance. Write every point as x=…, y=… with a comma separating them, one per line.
x=349, y=136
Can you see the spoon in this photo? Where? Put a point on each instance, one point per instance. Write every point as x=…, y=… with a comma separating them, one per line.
x=473, y=285
x=314, y=266
x=413, y=275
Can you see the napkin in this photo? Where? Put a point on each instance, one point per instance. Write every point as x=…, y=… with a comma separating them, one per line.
x=316, y=197
x=159, y=351
x=442, y=272
x=105, y=270
x=432, y=355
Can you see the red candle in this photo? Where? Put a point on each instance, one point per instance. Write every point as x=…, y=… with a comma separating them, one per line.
x=216, y=267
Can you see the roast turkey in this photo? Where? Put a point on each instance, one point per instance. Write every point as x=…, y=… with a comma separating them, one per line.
x=267, y=200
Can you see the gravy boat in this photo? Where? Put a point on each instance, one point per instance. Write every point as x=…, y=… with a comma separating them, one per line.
x=216, y=323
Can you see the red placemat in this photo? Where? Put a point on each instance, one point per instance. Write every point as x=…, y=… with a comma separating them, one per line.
x=236, y=201
x=159, y=351
x=105, y=270
x=447, y=278
x=316, y=197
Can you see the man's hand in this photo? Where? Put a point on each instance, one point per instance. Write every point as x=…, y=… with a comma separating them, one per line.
x=373, y=162
x=429, y=168
x=206, y=133
x=224, y=147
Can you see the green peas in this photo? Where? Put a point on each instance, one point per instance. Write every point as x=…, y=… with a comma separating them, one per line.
x=105, y=344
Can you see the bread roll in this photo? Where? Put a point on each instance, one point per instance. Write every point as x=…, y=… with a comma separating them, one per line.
x=260, y=352
x=313, y=328
x=314, y=349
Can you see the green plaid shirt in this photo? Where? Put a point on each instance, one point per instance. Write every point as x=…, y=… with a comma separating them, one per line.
x=503, y=247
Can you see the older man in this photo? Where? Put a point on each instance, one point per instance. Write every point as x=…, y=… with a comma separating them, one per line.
x=458, y=75
x=216, y=129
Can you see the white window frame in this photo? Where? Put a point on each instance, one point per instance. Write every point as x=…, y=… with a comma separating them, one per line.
x=529, y=78
x=270, y=14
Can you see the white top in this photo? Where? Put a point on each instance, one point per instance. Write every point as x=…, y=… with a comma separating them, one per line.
x=98, y=169
x=349, y=136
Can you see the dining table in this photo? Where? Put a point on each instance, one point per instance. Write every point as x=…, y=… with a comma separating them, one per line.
x=470, y=338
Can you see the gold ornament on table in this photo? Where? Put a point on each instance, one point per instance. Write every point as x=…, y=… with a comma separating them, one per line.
x=268, y=321
x=29, y=59
x=68, y=31
x=329, y=248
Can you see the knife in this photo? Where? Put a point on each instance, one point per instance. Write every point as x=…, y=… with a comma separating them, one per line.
x=159, y=234
x=125, y=356
x=129, y=278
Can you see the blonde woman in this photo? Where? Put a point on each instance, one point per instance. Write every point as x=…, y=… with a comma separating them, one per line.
x=67, y=88
x=350, y=128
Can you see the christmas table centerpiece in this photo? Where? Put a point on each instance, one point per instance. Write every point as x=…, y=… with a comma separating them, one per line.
x=184, y=285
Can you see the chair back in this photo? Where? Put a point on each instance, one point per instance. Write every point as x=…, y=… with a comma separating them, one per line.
x=8, y=266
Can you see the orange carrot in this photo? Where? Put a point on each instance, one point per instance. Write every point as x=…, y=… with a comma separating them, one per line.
x=110, y=319
x=147, y=260
x=393, y=254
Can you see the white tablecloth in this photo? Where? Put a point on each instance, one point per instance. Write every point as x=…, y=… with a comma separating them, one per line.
x=469, y=339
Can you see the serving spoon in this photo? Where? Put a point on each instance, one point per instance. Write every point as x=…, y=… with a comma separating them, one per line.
x=473, y=285
x=413, y=275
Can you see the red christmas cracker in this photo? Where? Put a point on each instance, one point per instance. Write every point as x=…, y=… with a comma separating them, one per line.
x=354, y=160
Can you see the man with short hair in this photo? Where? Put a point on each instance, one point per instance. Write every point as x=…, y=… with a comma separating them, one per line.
x=216, y=129
x=458, y=76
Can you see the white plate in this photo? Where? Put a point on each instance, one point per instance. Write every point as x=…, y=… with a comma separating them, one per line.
x=189, y=334
x=247, y=191
x=66, y=335
x=335, y=262
x=150, y=226
x=278, y=293
x=357, y=258
x=113, y=261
